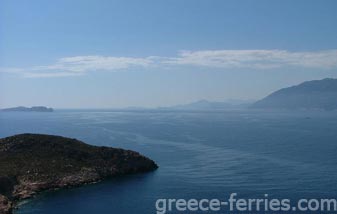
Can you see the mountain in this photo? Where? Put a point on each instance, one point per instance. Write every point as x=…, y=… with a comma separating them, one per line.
x=209, y=105
x=316, y=94
x=34, y=108
x=31, y=163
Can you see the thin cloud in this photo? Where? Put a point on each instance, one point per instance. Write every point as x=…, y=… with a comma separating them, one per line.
x=79, y=65
x=11, y=70
x=257, y=59
x=94, y=63
x=250, y=59
x=50, y=74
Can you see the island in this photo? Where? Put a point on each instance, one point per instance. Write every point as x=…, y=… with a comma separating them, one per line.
x=32, y=163
x=32, y=109
x=316, y=94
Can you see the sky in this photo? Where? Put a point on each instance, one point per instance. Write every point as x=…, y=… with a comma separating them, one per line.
x=151, y=53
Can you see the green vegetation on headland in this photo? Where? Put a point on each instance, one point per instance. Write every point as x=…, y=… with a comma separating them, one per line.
x=31, y=163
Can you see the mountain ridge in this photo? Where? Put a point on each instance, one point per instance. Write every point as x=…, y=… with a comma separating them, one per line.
x=314, y=94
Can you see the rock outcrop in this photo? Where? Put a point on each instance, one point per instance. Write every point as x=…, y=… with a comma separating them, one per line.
x=31, y=163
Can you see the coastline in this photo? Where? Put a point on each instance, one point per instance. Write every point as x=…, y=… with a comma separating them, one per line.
x=58, y=163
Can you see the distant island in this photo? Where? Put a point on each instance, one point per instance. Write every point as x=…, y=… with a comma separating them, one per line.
x=31, y=163
x=316, y=94
x=32, y=109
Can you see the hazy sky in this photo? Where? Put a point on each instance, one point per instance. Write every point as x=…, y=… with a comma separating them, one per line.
x=109, y=53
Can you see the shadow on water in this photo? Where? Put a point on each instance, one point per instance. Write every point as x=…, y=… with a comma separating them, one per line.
x=107, y=196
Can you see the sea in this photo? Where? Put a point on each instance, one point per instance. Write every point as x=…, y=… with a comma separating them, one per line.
x=201, y=155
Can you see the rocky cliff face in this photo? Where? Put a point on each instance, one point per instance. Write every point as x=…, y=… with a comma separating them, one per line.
x=31, y=163
x=5, y=205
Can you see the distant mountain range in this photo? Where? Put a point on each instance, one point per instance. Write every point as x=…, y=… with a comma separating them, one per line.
x=316, y=94
x=209, y=105
x=32, y=109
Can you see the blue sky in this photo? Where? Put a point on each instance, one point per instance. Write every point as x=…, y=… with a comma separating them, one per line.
x=107, y=53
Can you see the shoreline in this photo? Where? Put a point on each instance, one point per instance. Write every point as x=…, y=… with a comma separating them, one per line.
x=31, y=164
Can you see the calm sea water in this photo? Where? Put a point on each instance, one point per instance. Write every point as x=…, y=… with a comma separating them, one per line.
x=200, y=154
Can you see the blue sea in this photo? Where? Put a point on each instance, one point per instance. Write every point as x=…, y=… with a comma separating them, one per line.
x=285, y=154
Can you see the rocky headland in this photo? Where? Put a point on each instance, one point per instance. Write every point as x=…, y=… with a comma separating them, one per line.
x=32, y=163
